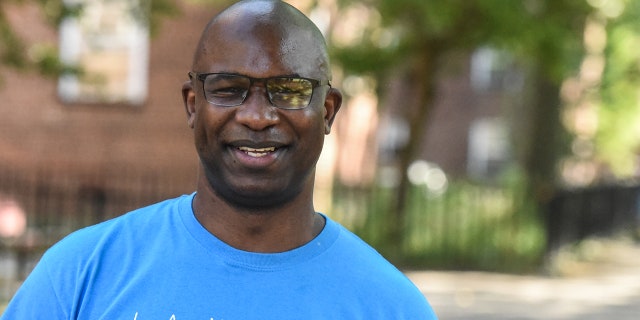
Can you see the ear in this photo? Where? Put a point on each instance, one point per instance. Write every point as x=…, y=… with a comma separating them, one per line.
x=189, y=99
x=332, y=103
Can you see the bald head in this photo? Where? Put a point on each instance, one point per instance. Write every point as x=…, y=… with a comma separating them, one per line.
x=275, y=28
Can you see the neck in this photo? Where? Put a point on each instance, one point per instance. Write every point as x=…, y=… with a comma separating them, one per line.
x=266, y=230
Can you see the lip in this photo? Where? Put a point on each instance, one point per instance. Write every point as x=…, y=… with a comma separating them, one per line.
x=256, y=154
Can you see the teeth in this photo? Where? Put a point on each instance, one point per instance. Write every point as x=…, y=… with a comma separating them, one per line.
x=257, y=152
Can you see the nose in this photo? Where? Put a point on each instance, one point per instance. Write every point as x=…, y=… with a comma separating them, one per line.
x=257, y=112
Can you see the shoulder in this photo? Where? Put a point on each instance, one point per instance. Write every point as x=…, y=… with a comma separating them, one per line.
x=355, y=262
x=110, y=245
x=352, y=248
x=364, y=261
x=93, y=257
x=128, y=228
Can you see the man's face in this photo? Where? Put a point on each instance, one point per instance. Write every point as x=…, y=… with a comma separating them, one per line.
x=254, y=154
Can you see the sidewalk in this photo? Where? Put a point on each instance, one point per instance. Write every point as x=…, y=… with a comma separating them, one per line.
x=603, y=284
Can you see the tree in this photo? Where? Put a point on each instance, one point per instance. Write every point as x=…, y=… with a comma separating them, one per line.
x=13, y=50
x=618, y=136
x=544, y=35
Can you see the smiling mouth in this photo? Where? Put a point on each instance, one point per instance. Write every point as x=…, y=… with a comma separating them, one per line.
x=257, y=152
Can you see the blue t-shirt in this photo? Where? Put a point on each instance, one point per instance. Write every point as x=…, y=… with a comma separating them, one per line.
x=160, y=263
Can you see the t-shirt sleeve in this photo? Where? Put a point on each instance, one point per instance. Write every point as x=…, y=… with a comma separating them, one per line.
x=36, y=299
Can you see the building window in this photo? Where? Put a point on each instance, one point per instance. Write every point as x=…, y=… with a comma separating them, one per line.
x=494, y=70
x=107, y=42
x=489, y=148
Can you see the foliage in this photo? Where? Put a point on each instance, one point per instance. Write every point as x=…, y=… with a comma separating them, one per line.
x=618, y=138
x=552, y=28
x=544, y=36
x=44, y=59
x=11, y=46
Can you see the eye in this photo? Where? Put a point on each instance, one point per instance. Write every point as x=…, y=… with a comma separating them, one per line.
x=290, y=86
x=222, y=92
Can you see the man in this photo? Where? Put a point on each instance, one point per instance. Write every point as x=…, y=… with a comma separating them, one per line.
x=248, y=244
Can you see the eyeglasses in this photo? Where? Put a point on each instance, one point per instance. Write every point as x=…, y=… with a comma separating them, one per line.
x=230, y=90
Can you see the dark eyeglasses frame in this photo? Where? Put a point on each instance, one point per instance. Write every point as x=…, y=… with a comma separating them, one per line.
x=203, y=76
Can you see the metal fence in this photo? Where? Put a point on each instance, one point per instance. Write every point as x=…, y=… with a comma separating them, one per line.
x=57, y=199
x=476, y=227
x=466, y=227
x=604, y=210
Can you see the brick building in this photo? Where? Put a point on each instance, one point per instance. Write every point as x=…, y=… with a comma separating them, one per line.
x=40, y=132
x=69, y=164
x=100, y=152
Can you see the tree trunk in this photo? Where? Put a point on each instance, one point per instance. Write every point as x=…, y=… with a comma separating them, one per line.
x=421, y=79
x=547, y=140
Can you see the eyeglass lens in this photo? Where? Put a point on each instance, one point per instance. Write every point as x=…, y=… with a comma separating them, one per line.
x=232, y=90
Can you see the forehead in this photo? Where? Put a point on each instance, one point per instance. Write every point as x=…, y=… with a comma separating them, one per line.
x=260, y=46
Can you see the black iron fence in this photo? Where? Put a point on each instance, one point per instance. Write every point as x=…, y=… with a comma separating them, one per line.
x=604, y=210
x=56, y=200
x=465, y=227
x=475, y=227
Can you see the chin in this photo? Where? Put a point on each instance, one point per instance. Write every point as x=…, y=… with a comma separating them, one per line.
x=246, y=194
x=259, y=198
x=258, y=203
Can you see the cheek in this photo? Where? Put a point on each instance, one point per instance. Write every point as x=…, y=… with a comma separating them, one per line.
x=314, y=134
x=200, y=136
x=317, y=118
x=199, y=129
x=313, y=125
x=205, y=128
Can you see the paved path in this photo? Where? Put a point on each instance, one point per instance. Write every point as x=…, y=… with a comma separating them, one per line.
x=606, y=286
